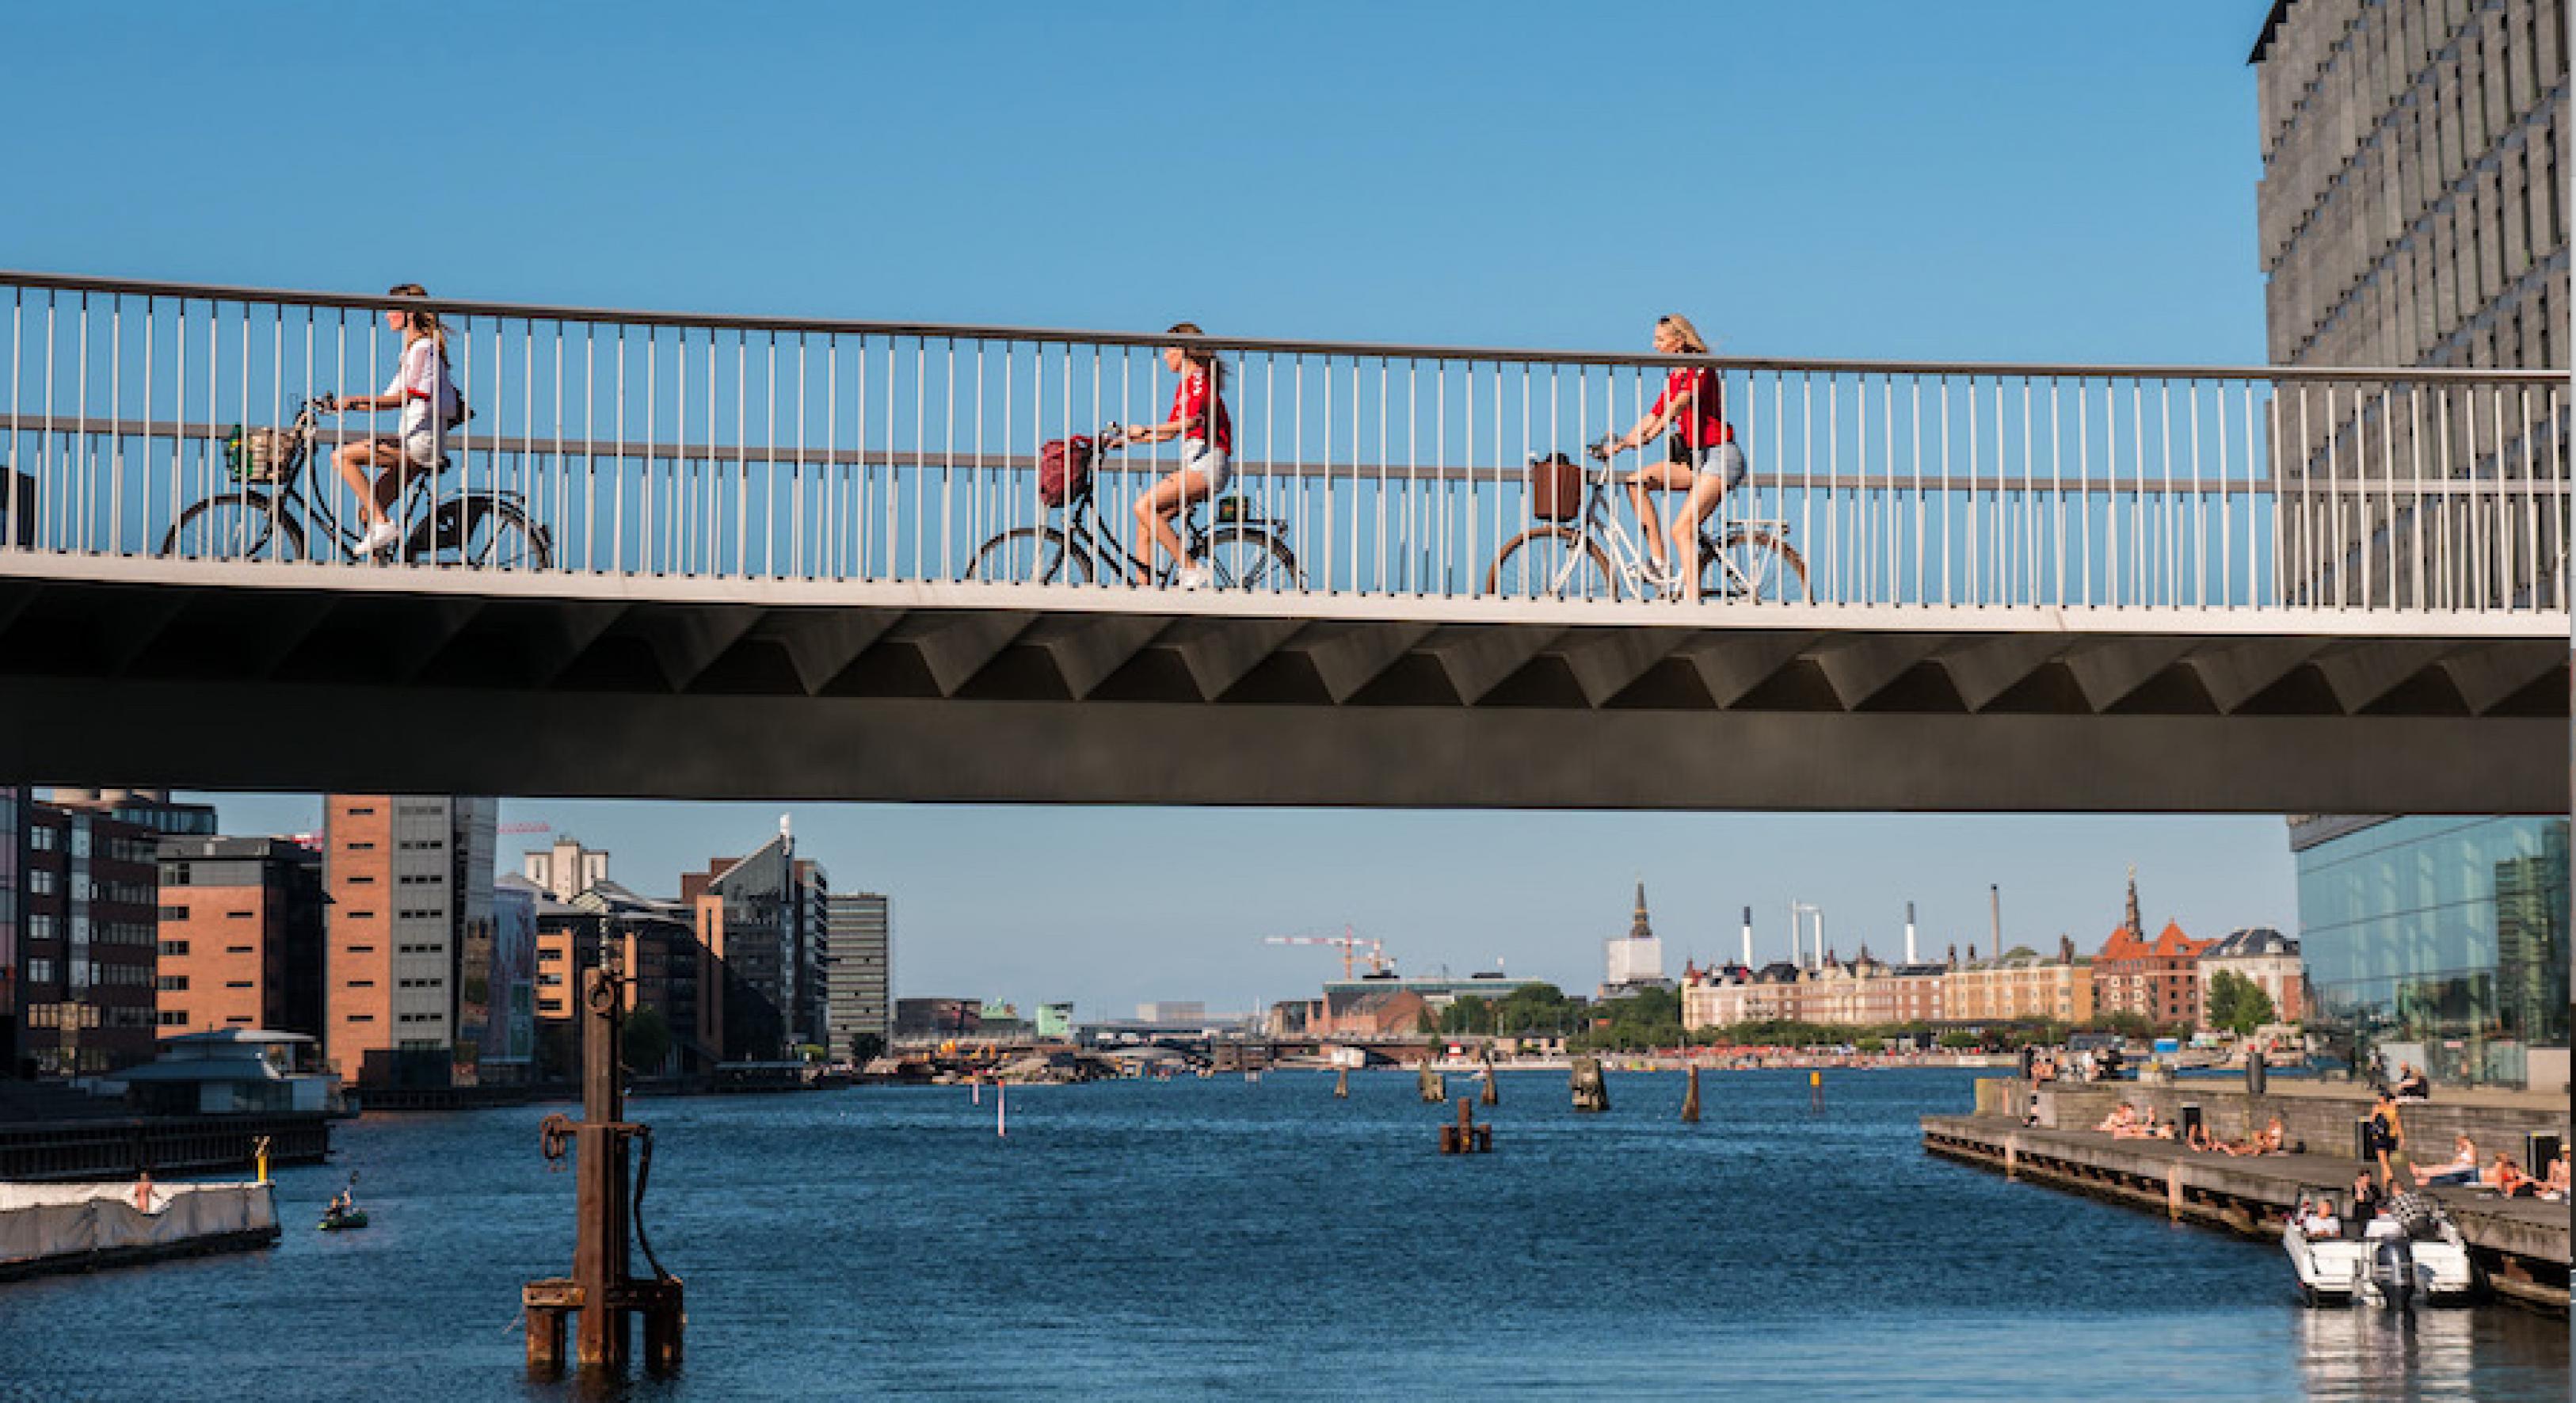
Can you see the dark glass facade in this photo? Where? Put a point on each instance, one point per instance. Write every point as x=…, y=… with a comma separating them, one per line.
x=2442, y=941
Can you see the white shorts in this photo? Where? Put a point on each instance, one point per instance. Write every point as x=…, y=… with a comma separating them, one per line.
x=422, y=448
x=1198, y=456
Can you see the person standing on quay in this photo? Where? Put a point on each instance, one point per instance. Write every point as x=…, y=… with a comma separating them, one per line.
x=2387, y=1137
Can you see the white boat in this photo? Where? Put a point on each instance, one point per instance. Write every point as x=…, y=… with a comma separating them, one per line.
x=2402, y=1261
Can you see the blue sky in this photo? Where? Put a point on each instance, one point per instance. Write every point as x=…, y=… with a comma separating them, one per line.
x=2022, y=181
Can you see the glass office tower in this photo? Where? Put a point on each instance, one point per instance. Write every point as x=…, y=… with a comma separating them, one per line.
x=2441, y=941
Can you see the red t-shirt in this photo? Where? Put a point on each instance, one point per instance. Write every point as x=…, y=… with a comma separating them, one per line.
x=1191, y=400
x=1704, y=423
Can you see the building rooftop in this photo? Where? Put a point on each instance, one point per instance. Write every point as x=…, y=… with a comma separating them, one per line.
x=2253, y=942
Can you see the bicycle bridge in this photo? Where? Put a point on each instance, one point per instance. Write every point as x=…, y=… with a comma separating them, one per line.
x=709, y=556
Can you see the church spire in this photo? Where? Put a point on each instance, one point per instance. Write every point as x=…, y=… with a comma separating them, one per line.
x=2135, y=928
x=1639, y=929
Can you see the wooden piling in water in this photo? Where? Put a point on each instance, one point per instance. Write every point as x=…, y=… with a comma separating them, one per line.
x=1342, y=1084
x=1490, y=1097
x=1465, y=1137
x=1690, y=1097
x=1591, y=1093
x=1435, y=1087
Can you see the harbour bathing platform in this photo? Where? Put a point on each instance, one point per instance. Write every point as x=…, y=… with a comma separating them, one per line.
x=82, y=1227
x=2522, y=1244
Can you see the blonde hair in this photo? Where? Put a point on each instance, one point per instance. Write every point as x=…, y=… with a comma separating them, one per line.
x=425, y=320
x=1679, y=325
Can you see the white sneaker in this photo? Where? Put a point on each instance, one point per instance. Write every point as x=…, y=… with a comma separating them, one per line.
x=1196, y=577
x=378, y=537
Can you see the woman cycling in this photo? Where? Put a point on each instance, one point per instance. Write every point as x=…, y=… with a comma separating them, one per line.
x=422, y=389
x=1206, y=433
x=1702, y=458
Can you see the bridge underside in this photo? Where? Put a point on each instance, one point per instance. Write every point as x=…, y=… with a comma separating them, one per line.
x=960, y=696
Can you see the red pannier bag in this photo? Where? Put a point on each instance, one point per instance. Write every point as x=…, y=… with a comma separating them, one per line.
x=1064, y=469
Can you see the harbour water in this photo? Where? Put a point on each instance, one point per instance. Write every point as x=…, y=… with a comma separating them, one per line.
x=1264, y=1240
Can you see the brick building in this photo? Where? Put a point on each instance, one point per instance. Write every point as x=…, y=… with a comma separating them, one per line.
x=410, y=884
x=2157, y=980
x=240, y=934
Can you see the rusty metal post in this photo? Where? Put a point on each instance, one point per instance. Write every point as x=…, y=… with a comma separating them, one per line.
x=599, y=1254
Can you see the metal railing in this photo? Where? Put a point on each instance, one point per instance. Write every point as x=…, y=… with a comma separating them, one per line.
x=795, y=449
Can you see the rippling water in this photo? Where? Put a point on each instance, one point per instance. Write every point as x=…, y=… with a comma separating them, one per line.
x=1225, y=1238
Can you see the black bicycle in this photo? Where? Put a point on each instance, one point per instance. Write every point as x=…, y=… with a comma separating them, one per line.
x=1238, y=549
x=264, y=512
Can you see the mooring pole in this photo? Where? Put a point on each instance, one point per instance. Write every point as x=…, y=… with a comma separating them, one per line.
x=599, y=1252
x=1690, y=1096
x=602, y=1289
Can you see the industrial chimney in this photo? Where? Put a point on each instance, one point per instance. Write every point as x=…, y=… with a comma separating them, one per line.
x=1909, y=932
x=1748, y=937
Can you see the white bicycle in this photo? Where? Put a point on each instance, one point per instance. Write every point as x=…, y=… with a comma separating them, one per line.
x=1588, y=553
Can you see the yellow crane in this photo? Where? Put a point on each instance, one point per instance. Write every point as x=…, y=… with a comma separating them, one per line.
x=1350, y=942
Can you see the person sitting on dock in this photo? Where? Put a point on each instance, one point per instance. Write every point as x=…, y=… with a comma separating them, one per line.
x=2554, y=1187
x=2121, y=1118
x=2412, y=1084
x=2199, y=1139
x=2463, y=1168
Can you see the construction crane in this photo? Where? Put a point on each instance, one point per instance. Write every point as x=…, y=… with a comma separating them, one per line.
x=1350, y=942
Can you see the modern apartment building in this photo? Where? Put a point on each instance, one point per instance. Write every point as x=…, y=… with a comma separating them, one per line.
x=89, y=942
x=762, y=915
x=2412, y=213
x=410, y=885
x=241, y=935
x=859, y=939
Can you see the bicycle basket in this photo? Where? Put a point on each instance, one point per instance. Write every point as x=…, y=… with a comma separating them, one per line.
x=1555, y=488
x=261, y=455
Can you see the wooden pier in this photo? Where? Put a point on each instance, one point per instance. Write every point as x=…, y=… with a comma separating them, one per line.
x=2522, y=1244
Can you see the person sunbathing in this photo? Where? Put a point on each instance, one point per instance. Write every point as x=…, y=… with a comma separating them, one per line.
x=2463, y=1168
x=2199, y=1139
x=2266, y=1141
x=2554, y=1187
x=2507, y=1178
x=2121, y=1118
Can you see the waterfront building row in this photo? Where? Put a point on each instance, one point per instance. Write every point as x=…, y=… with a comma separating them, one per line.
x=125, y=919
x=2164, y=981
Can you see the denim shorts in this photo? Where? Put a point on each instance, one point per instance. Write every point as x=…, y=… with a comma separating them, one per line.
x=1718, y=458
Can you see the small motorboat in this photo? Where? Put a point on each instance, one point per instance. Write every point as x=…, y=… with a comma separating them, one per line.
x=2411, y=1255
x=342, y=1220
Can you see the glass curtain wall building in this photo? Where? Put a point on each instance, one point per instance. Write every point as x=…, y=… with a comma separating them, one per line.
x=2440, y=941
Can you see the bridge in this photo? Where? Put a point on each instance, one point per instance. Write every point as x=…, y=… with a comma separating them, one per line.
x=711, y=556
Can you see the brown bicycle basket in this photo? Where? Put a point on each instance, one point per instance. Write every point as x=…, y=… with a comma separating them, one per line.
x=1555, y=488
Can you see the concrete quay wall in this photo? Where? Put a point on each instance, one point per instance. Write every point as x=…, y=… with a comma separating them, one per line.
x=2522, y=1244
x=2321, y=1114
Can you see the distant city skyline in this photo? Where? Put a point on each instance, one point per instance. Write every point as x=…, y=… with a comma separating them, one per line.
x=1018, y=902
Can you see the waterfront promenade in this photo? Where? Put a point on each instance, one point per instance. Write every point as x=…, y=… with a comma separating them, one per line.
x=2522, y=1244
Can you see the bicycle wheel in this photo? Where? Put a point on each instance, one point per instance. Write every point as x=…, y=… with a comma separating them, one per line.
x=1245, y=558
x=1752, y=564
x=238, y=525
x=484, y=532
x=1551, y=562
x=1026, y=555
